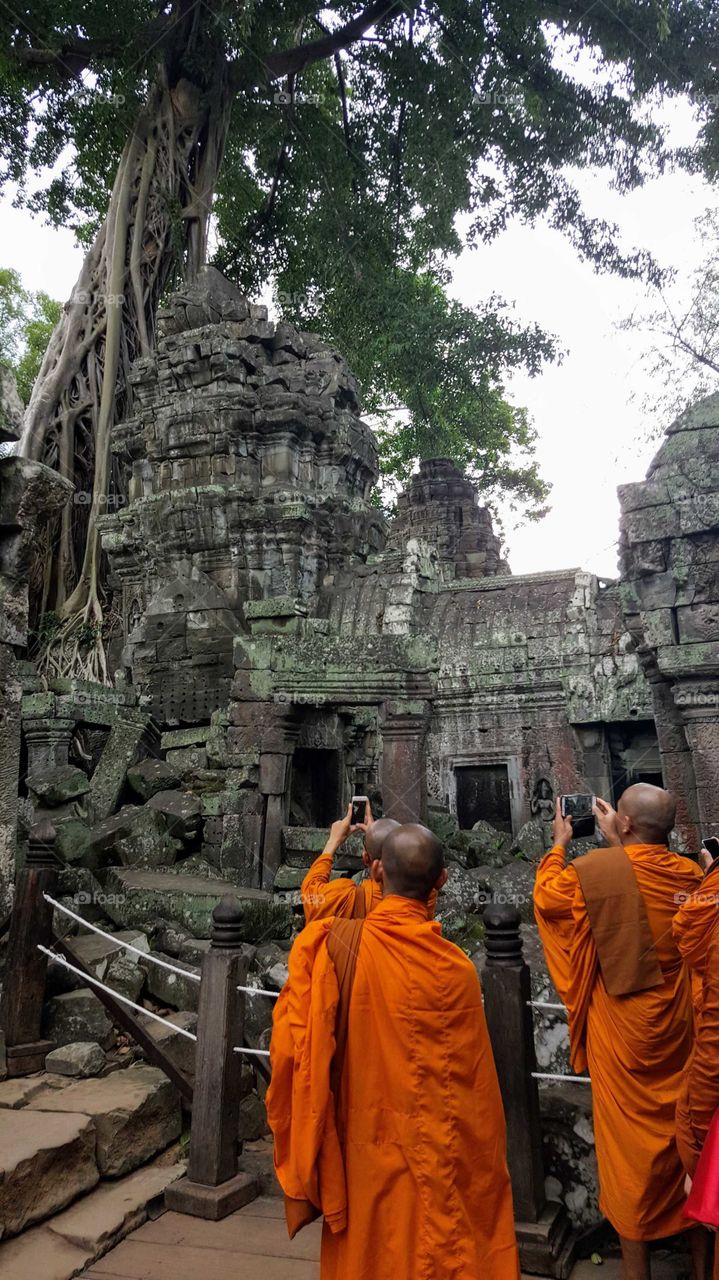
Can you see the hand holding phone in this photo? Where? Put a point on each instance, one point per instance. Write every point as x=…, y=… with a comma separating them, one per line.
x=578, y=809
x=360, y=805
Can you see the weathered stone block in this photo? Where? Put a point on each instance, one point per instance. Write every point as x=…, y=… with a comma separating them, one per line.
x=82, y=1059
x=136, y=836
x=135, y=896
x=45, y=1162
x=171, y=988
x=181, y=812
x=136, y=1114
x=77, y=1016
x=150, y=776
x=57, y=785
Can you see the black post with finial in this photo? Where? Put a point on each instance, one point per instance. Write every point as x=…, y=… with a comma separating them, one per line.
x=23, y=993
x=213, y=1186
x=546, y=1243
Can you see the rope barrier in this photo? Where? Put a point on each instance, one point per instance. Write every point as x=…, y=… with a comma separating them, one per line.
x=258, y=991
x=123, y=999
x=127, y=946
x=547, y=1075
x=257, y=1053
x=542, y=1004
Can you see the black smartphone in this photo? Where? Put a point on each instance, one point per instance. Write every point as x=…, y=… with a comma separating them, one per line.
x=579, y=809
x=711, y=844
x=359, y=809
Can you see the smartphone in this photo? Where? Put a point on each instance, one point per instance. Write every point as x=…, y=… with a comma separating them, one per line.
x=711, y=844
x=579, y=809
x=359, y=809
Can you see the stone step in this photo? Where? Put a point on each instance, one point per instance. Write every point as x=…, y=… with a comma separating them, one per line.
x=134, y=896
x=65, y=1245
x=136, y=1114
x=46, y=1161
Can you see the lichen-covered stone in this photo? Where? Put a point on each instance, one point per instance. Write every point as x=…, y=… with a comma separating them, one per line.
x=84, y=1058
x=150, y=776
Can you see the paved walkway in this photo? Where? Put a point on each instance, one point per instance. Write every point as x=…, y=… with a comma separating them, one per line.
x=251, y=1243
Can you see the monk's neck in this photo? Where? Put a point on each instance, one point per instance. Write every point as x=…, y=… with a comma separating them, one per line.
x=408, y=906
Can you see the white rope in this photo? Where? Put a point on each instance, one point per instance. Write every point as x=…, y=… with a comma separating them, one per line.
x=124, y=999
x=542, y=1004
x=258, y=991
x=257, y=1053
x=542, y=1075
x=127, y=946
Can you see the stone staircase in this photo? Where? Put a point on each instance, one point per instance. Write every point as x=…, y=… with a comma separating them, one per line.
x=81, y=1163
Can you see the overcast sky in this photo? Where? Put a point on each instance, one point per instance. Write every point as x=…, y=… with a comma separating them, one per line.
x=593, y=434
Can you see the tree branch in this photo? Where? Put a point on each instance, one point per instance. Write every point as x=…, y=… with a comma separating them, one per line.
x=291, y=61
x=76, y=55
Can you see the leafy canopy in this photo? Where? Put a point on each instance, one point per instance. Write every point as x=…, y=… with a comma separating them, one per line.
x=26, y=322
x=345, y=192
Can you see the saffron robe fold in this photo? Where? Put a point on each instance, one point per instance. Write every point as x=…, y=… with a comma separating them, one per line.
x=409, y=1169
x=635, y=1046
x=696, y=930
x=322, y=897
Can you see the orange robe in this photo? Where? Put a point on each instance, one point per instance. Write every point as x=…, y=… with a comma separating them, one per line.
x=415, y=1184
x=636, y=1046
x=322, y=897
x=696, y=929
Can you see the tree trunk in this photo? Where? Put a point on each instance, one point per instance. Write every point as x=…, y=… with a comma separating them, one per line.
x=156, y=229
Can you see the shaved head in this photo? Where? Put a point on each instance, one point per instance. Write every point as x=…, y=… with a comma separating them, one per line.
x=646, y=813
x=412, y=861
x=376, y=834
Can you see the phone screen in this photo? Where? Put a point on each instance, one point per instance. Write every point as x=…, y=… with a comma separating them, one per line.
x=711, y=844
x=359, y=809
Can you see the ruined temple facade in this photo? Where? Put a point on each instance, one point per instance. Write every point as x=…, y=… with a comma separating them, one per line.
x=291, y=645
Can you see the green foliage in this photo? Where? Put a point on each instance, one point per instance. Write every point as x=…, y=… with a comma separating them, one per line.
x=680, y=332
x=26, y=322
x=408, y=123
x=44, y=315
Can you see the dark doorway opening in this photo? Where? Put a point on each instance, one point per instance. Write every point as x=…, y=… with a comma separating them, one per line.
x=483, y=792
x=634, y=756
x=315, y=794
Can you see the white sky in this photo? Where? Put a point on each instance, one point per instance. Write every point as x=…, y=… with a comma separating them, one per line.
x=593, y=434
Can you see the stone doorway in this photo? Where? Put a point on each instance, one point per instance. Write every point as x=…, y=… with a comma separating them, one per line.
x=315, y=799
x=483, y=792
x=634, y=756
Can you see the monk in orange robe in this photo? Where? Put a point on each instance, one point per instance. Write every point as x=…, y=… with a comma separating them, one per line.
x=635, y=1044
x=406, y=1160
x=696, y=930
x=322, y=897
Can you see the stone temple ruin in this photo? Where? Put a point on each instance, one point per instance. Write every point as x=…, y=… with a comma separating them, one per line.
x=283, y=644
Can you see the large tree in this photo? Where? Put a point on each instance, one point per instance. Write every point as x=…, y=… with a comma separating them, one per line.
x=336, y=146
x=679, y=328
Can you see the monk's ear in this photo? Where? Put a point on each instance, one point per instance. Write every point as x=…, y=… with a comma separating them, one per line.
x=443, y=875
x=376, y=871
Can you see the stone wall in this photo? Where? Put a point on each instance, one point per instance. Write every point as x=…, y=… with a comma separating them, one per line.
x=29, y=493
x=670, y=597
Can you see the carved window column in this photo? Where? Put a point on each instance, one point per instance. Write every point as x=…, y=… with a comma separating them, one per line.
x=698, y=701
x=277, y=744
x=48, y=742
x=404, y=767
